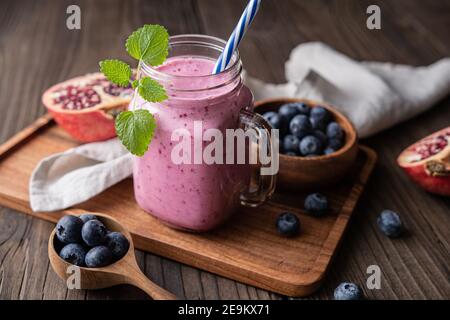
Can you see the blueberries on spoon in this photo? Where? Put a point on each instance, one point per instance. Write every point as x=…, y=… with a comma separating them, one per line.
x=94, y=233
x=316, y=204
x=310, y=145
x=118, y=244
x=300, y=126
x=99, y=256
x=390, y=223
x=348, y=291
x=288, y=224
x=68, y=229
x=73, y=253
x=88, y=216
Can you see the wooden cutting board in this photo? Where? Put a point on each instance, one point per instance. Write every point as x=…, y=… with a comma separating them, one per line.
x=246, y=249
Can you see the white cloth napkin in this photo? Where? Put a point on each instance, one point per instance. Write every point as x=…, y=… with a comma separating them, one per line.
x=78, y=174
x=373, y=95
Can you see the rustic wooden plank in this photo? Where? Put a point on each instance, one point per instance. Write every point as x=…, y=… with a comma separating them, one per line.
x=413, y=32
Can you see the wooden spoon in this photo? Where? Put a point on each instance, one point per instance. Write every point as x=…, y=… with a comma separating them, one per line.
x=124, y=271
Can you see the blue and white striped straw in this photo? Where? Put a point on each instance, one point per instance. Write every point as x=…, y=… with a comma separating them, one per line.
x=237, y=35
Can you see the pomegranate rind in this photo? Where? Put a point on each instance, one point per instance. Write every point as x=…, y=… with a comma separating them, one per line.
x=90, y=124
x=416, y=166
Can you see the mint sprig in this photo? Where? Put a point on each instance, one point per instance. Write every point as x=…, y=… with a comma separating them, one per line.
x=148, y=44
x=136, y=130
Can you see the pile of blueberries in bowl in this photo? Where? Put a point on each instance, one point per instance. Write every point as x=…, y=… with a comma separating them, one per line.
x=85, y=241
x=306, y=131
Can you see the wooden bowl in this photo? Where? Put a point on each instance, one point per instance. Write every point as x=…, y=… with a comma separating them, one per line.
x=312, y=174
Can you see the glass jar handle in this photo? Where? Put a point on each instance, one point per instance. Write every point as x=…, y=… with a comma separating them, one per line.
x=263, y=179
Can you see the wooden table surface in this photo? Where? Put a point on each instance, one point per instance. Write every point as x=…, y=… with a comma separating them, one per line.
x=37, y=50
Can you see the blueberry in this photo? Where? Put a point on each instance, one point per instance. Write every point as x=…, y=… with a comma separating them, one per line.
x=335, y=131
x=310, y=145
x=321, y=113
x=390, y=223
x=291, y=154
x=118, y=244
x=94, y=233
x=335, y=144
x=329, y=150
x=99, y=256
x=291, y=144
x=73, y=253
x=321, y=136
x=300, y=126
x=288, y=224
x=303, y=108
x=318, y=123
x=88, y=216
x=276, y=121
x=316, y=204
x=347, y=291
x=288, y=111
x=68, y=229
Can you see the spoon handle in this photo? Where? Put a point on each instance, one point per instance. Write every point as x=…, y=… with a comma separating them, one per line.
x=139, y=280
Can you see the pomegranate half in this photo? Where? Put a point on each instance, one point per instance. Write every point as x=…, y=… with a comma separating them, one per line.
x=86, y=106
x=427, y=162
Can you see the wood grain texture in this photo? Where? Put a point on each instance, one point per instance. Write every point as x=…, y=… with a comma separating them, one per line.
x=36, y=51
x=246, y=249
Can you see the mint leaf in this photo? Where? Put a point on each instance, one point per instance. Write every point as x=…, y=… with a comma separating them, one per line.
x=149, y=44
x=151, y=90
x=135, y=129
x=116, y=71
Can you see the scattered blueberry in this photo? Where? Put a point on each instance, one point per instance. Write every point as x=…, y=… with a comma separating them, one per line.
x=347, y=291
x=321, y=113
x=329, y=150
x=94, y=233
x=321, y=136
x=68, y=229
x=310, y=145
x=118, y=244
x=288, y=111
x=316, y=204
x=335, y=144
x=390, y=223
x=99, y=256
x=88, y=216
x=276, y=121
x=291, y=144
x=300, y=126
x=73, y=253
x=288, y=224
x=335, y=131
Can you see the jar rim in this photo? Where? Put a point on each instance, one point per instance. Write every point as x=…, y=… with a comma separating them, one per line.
x=202, y=40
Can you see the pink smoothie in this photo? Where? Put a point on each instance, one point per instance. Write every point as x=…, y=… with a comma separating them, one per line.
x=196, y=197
